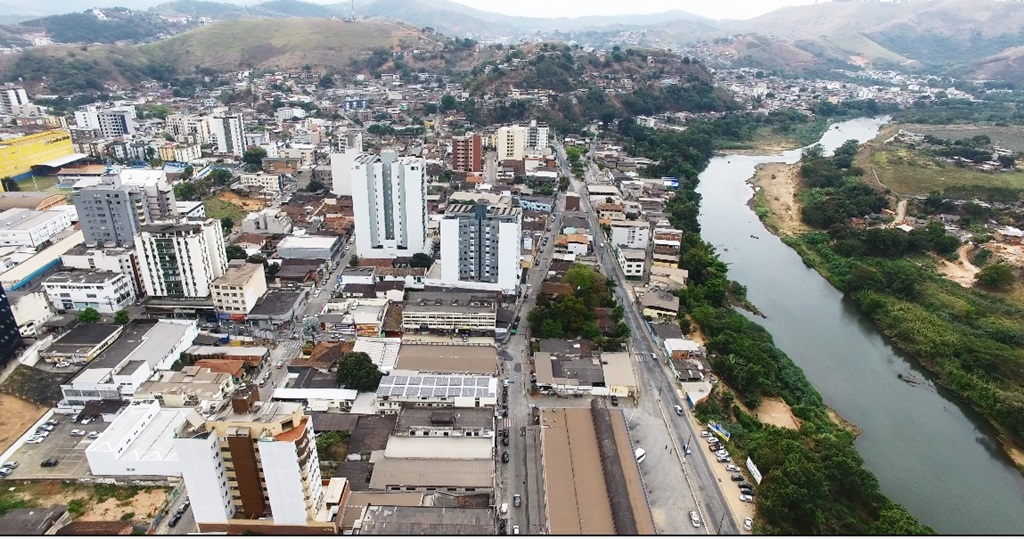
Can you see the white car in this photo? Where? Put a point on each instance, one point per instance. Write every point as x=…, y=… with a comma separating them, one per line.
x=732, y=468
x=35, y=441
x=705, y=434
x=12, y=465
x=722, y=453
x=746, y=498
x=78, y=432
x=94, y=434
x=748, y=524
x=694, y=519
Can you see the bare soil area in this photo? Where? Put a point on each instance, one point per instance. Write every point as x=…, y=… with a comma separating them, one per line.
x=18, y=415
x=962, y=271
x=248, y=204
x=1012, y=254
x=780, y=183
x=99, y=502
x=775, y=411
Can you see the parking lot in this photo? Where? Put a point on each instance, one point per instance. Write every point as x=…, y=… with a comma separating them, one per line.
x=68, y=450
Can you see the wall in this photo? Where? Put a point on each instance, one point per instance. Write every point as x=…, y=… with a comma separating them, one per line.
x=284, y=483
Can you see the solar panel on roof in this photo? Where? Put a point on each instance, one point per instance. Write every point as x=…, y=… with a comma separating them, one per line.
x=481, y=382
x=415, y=380
x=455, y=381
x=397, y=391
x=481, y=392
x=428, y=380
x=401, y=380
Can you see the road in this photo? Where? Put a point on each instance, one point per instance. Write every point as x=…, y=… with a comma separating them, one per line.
x=659, y=395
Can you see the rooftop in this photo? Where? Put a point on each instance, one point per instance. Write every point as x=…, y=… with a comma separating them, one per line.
x=448, y=359
x=577, y=496
x=397, y=520
x=82, y=277
x=276, y=303
x=237, y=275
x=432, y=473
x=403, y=384
x=83, y=338
x=466, y=448
x=456, y=418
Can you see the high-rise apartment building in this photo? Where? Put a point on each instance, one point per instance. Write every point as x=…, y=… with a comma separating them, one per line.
x=112, y=122
x=180, y=260
x=13, y=99
x=537, y=136
x=227, y=133
x=10, y=337
x=253, y=461
x=112, y=211
x=481, y=244
x=389, y=202
x=467, y=154
x=511, y=142
x=189, y=128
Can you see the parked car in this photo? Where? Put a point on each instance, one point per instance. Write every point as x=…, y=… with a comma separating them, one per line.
x=34, y=441
x=47, y=427
x=94, y=434
x=86, y=421
x=748, y=524
x=517, y=500
x=746, y=498
x=504, y=441
x=722, y=459
x=722, y=453
x=705, y=434
x=279, y=364
x=732, y=468
x=4, y=472
x=174, y=520
x=515, y=530
x=746, y=485
x=504, y=456
x=712, y=440
x=736, y=477
x=49, y=463
x=615, y=401
x=53, y=422
x=183, y=507
x=12, y=464
x=694, y=519
x=78, y=432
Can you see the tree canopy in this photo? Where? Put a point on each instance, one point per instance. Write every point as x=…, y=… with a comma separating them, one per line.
x=89, y=316
x=357, y=371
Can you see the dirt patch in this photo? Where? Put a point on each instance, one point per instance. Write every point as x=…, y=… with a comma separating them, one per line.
x=839, y=420
x=779, y=183
x=142, y=504
x=18, y=416
x=962, y=271
x=1011, y=254
x=247, y=204
x=775, y=411
x=1015, y=454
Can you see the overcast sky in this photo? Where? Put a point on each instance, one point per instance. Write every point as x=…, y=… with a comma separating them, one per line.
x=714, y=9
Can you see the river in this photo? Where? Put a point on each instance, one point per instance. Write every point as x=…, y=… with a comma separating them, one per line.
x=930, y=453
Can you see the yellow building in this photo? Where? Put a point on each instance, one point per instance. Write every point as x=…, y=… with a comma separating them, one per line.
x=18, y=155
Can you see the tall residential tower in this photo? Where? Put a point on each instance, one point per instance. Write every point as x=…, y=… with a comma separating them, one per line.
x=389, y=202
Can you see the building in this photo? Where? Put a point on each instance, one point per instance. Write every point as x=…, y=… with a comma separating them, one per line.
x=19, y=155
x=341, y=169
x=449, y=313
x=310, y=248
x=511, y=142
x=27, y=522
x=376, y=519
x=112, y=208
x=10, y=337
x=181, y=260
x=105, y=291
x=481, y=244
x=13, y=100
x=448, y=359
x=112, y=122
x=180, y=153
x=199, y=385
x=450, y=422
x=30, y=228
x=630, y=234
x=188, y=129
x=227, y=133
x=112, y=259
x=537, y=136
x=632, y=262
x=411, y=388
x=389, y=201
x=256, y=460
x=236, y=292
x=267, y=221
x=269, y=185
x=467, y=153
x=139, y=442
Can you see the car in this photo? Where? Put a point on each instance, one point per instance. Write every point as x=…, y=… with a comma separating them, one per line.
x=686, y=449
x=654, y=356
x=748, y=524
x=47, y=427
x=86, y=421
x=4, y=472
x=722, y=453
x=746, y=498
x=716, y=447
x=723, y=459
x=53, y=422
x=732, y=468
x=504, y=456
x=34, y=441
x=279, y=365
x=615, y=401
x=517, y=500
x=694, y=519
x=94, y=434
x=183, y=507
x=705, y=434
x=746, y=486
x=515, y=530
x=504, y=441
x=12, y=464
x=174, y=520
x=712, y=440
x=49, y=463
x=736, y=477
x=679, y=409
x=78, y=432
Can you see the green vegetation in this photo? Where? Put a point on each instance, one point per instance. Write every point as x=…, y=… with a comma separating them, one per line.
x=315, y=186
x=906, y=170
x=235, y=252
x=10, y=500
x=357, y=371
x=996, y=277
x=421, y=260
x=814, y=480
x=333, y=445
x=119, y=25
x=122, y=317
x=575, y=315
x=253, y=158
x=89, y=316
x=76, y=507
x=219, y=209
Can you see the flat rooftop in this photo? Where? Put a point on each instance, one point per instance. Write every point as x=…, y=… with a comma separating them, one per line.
x=410, y=385
x=456, y=418
x=82, y=277
x=448, y=359
x=143, y=343
x=576, y=497
x=276, y=303
x=467, y=448
x=439, y=473
x=237, y=274
x=83, y=338
x=404, y=520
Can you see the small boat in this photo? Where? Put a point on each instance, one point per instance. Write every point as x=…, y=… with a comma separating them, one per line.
x=755, y=237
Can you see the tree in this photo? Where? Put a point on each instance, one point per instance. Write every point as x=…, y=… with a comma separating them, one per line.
x=448, y=102
x=253, y=158
x=996, y=277
x=121, y=317
x=220, y=176
x=227, y=224
x=315, y=186
x=89, y=316
x=421, y=260
x=235, y=252
x=10, y=185
x=358, y=372
x=353, y=260
x=327, y=81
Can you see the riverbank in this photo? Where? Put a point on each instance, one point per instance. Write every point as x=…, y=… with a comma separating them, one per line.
x=775, y=199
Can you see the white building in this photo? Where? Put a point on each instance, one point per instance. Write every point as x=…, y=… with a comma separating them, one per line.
x=112, y=259
x=631, y=234
x=269, y=184
x=104, y=291
x=30, y=228
x=181, y=260
x=227, y=133
x=407, y=387
x=389, y=201
x=632, y=262
x=267, y=221
x=481, y=244
x=341, y=170
x=189, y=129
x=13, y=100
x=112, y=122
x=237, y=291
x=140, y=442
x=511, y=142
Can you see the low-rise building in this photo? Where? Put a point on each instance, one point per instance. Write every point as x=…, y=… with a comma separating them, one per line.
x=449, y=313
x=310, y=247
x=659, y=304
x=82, y=344
x=104, y=291
x=138, y=443
x=450, y=422
x=267, y=221
x=269, y=185
x=632, y=262
x=188, y=388
x=412, y=388
x=237, y=291
x=30, y=228
x=114, y=259
x=630, y=234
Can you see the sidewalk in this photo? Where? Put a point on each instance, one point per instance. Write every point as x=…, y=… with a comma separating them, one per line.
x=739, y=510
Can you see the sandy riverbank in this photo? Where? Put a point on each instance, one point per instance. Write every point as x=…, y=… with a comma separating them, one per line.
x=778, y=184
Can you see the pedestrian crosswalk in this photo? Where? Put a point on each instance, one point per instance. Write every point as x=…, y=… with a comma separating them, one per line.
x=643, y=357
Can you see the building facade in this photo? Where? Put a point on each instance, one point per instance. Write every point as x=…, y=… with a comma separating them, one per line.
x=104, y=291
x=110, y=214
x=236, y=292
x=511, y=142
x=10, y=337
x=30, y=228
x=481, y=244
x=467, y=154
x=631, y=234
x=112, y=122
x=19, y=154
x=116, y=259
x=389, y=202
x=227, y=133
x=181, y=260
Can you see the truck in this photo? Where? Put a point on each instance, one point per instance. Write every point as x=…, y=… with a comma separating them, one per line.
x=504, y=508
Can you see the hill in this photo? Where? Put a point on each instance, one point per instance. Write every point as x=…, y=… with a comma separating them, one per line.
x=109, y=25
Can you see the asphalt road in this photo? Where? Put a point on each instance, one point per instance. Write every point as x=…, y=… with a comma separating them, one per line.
x=659, y=395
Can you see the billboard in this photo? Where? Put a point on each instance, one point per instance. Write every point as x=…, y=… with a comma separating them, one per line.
x=754, y=471
x=719, y=430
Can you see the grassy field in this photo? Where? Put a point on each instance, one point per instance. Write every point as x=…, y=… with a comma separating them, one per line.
x=908, y=172
x=1011, y=138
x=40, y=183
x=859, y=45
x=219, y=209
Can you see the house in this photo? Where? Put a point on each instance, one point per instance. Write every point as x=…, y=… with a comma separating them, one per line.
x=659, y=304
x=632, y=262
